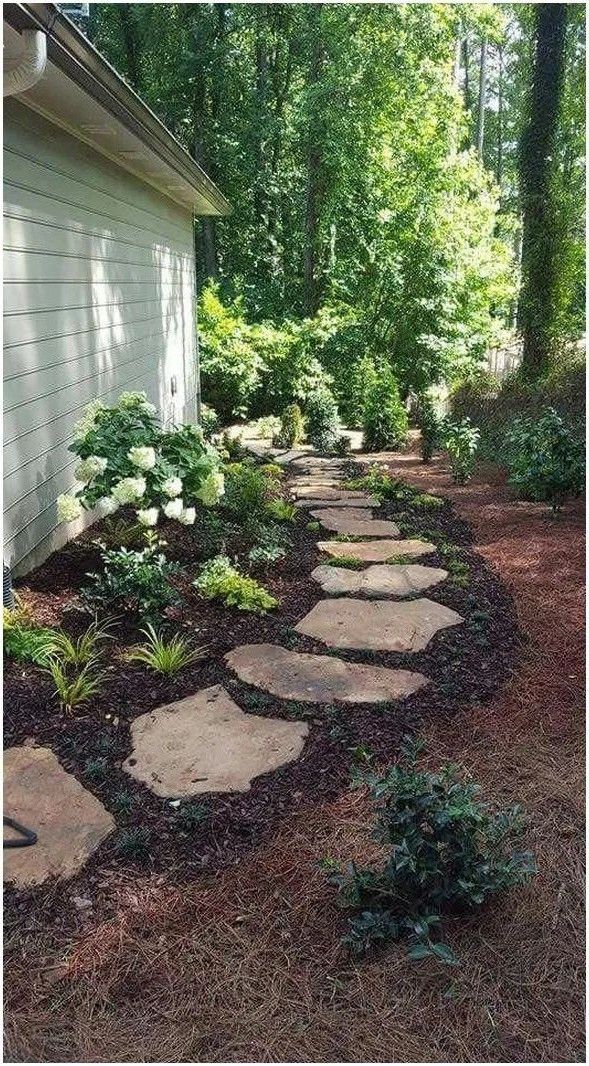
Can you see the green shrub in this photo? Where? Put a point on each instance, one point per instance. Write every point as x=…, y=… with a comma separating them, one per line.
x=461, y=442
x=247, y=491
x=444, y=851
x=264, y=554
x=209, y=421
x=430, y=425
x=322, y=420
x=230, y=361
x=268, y=427
x=426, y=500
x=218, y=579
x=292, y=427
x=137, y=582
x=385, y=420
x=282, y=510
x=545, y=460
x=378, y=483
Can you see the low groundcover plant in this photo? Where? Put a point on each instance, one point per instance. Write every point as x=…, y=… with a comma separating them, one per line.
x=218, y=579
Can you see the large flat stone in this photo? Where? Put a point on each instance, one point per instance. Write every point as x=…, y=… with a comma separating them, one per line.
x=377, y=626
x=69, y=821
x=375, y=551
x=324, y=492
x=383, y=580
x=319, y=678
x=338, y=501
x=206, y=743
x=356, y=522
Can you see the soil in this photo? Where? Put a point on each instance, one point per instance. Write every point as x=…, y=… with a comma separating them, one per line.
x=465, y=664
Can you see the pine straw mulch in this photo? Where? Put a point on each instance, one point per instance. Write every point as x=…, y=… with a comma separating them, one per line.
x=246, y=965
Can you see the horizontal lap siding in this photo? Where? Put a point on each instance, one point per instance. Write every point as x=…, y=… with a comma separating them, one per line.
x=98, y=298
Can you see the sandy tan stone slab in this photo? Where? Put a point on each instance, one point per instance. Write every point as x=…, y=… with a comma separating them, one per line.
x=378, y=580
x=319, y=678
x=206, y=743
x=375, y=551
x=377, y=625
x=337, y=501
x=356, y=521
x=287, y=457
x=324, y=492
x=69, y=821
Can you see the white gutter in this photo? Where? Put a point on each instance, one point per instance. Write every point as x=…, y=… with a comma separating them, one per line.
x=31, y=66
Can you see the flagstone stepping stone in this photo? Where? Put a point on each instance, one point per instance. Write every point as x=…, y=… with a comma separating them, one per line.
x=377, y=625
x=375, y=551
x=319, y=678
x=325, y=492
x=383, y=580
x=287, y=457
x=69, y=821
x=206, y=743
x=367, y=502
x=356, y=521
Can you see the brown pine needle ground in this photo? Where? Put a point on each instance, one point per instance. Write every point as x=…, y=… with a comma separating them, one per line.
x=246, y=966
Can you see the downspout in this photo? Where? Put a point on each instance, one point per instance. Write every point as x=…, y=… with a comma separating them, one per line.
x=31, y=66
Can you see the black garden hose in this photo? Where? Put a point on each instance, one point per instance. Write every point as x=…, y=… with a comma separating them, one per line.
x=28, y=836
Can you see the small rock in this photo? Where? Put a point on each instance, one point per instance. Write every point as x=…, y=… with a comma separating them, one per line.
x=81, y=903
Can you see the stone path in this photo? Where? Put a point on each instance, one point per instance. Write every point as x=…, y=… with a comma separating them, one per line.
x=206, y=742
x=383, y=580
x=377, y=625
x=69, y=821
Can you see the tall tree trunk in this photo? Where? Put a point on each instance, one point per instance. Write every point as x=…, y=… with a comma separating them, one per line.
x=314, y=166
x=499, y=158
x=539, y=248
x=466, y=74
x=482, y=97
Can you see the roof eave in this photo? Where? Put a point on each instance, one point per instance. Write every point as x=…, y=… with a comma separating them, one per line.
x=69, y=50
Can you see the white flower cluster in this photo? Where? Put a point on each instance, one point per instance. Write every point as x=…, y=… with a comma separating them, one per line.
x=106, y=505
x=148, y=517
x=88, y=420
x=144, y=458
x=88, y=469
x=172, y=486
x=68, y=508
x=129, y=489
x=131, y=399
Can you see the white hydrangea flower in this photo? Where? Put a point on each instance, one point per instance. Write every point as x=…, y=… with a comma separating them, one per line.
x=212, y=488
x=106, y=505
x=172, y=486
x=90, y=467
x=142, y=457
x=88, y=420
x=188, y=516
x=68, y=508
x=174, y=508
x=129, y=489
x=149, y=407
x=148, y=517
x=130, y=399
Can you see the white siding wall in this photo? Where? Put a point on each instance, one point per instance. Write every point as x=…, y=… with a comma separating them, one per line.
x=98, y=298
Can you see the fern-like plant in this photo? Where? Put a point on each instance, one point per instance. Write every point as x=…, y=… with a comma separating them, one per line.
x=166, y=657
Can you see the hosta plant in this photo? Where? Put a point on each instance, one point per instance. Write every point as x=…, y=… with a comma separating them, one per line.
x=443, y=851
x=125, y=458
x=461, y=440
x=219, y=579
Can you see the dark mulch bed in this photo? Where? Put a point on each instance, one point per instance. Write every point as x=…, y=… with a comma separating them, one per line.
x=466, y=664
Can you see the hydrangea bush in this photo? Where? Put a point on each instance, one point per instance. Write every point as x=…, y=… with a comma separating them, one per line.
x=126, y=458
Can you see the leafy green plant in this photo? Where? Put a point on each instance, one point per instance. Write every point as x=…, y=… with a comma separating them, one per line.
x=282, y=510
x=272, y=470
x=166, y=656
x=322, y=420
x=87, y=648
x=385, y=420
x=313, y=526
x=74, y=688
x=427, y=501
x=268, y=427
x=122, y=802
x=137, y=582
x=461, y=441
x=265, y=554
x=349, y=562
x=292, y=427
x=248, y=491
x=459, y=572
x=96, y=769
x=134, y=842
x=378, y=483
x=190, y=815
x=218, y=579
x=399, y=560
x=24, y=641
x=209, y=421
x=444, y=851
x=545, y=459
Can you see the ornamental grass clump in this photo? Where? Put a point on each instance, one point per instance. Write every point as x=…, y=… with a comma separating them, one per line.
x=219, y=579
x=444, y=852
x=125, y=458
x=166, y=655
